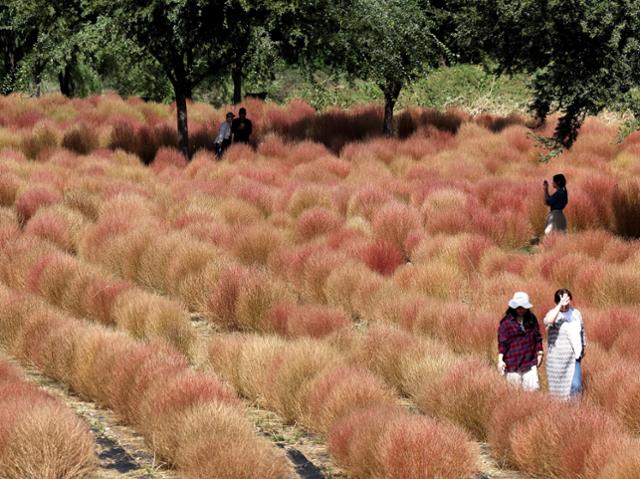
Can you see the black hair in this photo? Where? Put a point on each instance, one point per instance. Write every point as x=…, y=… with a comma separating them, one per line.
x=557, y=296
x=229, y=114
x=528, y=315
x=560, y=180
x=242, y=110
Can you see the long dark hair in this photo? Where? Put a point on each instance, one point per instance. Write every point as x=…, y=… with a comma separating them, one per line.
x=529, y=317
x=560, y=180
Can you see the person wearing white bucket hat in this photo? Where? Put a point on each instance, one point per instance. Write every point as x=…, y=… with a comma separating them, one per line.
x=520, y=343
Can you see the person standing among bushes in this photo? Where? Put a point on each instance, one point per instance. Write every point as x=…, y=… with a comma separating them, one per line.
x=566, y=347
x=241, y=127
x=520, y=344
x=557, y=202
x=223, y=140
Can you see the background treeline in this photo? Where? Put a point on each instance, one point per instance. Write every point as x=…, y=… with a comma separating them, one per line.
x=577, y=57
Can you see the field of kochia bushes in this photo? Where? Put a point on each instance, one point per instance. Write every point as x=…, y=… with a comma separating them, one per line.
x=345, y=275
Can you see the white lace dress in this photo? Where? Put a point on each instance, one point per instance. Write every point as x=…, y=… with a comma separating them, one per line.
x=566, y=344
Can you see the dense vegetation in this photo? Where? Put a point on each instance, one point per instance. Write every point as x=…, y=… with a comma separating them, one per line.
x=355, y=295
x=580, y=56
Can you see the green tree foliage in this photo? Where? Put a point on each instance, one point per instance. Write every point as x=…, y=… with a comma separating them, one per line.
x=57, y=45
x=390, y=42
x=583, y=55
x=186, y=37
x=17, y=39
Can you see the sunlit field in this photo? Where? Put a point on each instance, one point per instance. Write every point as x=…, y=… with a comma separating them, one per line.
x=353, y=285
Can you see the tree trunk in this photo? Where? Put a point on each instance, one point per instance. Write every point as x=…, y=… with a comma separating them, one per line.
x=236, y=75
x=391, y=93
x=181, y=89
x=66, y=82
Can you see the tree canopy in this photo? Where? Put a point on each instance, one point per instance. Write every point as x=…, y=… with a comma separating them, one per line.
x=583, y=55
x=390, y=42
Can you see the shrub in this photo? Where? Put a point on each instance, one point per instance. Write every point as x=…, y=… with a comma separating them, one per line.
x=256, y=298
x=60, y=225
x=367, y=200
x=307, y=320
x=145, y=315
x=202, y=435
x=354, y=440
x=626, y=209
x=306, y=197
x=287, y=376
x=81, y=140
x=351, y=286
x=49, y=441
x=515, y=407
x=394, y=222
x=254, y=245
x=168, y=157
x=470, y=382
x=42, y=138
x=338, y=392
x=563, y=435
x=315, y=222
x=417, y=447
x=123, y=136
x=220, y=301
x=33, y=198
x=9, y=186
x=382, y=256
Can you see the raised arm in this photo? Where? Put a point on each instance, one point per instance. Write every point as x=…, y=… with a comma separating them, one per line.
x=550, y=318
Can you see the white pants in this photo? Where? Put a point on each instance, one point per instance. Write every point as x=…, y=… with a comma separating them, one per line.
x=527, y=381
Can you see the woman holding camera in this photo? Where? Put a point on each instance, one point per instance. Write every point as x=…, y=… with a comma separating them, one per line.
x=557, y=202
x=566, y=347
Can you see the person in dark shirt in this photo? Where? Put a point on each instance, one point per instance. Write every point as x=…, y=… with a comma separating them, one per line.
x=241, y=127
x=556, y=202
x=520, y=344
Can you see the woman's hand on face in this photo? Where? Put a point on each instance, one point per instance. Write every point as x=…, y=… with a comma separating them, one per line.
x=565, y=300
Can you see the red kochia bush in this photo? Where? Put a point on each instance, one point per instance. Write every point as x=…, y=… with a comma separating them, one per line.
x=317, y=221
x=393, y=223
x=81, y=140
x=307, y=320
x=415, y=448
x=340, y=391
x=39, y=437
x=168, y=157
x=382, y=256
x=563, y=436
x=469, y=382
x=34, y=198
x=626, y=209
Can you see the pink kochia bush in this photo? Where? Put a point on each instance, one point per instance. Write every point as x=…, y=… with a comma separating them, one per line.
x=369, y=433
x=320, y=230
x=39, y=436
x=186, y=416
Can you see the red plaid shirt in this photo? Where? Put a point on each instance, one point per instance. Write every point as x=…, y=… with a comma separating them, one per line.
x=519, y=345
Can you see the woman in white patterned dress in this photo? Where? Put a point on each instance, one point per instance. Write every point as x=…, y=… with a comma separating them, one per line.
x=566, y=347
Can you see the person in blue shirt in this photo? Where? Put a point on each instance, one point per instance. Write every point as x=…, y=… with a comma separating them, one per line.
x=556, y=202
x=223, y=140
